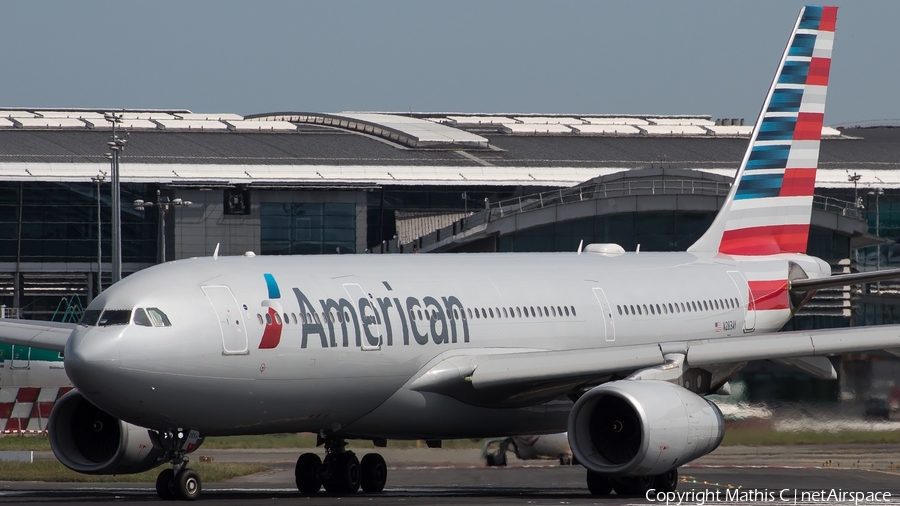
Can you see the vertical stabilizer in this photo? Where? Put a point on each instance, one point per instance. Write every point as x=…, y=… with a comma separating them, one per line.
x=769, y=207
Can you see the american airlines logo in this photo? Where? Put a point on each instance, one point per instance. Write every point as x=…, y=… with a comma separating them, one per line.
x=368, y=321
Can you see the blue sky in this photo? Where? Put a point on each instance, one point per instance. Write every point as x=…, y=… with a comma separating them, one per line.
x=691, y=57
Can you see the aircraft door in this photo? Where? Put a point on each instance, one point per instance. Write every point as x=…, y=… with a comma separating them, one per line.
x=21, y=357
x=369, y=319
x=746, y=298
x=234, y=335
x=609, y=324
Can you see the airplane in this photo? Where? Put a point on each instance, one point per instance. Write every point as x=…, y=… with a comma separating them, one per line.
x=616, y=348
x=31, y=380
x=529, y=447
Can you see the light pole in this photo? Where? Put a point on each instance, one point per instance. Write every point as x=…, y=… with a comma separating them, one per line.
x=116, y=145
x=877, y=192
x=98, y=180
x=163, y=204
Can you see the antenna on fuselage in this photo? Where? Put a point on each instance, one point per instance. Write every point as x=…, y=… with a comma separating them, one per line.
x=580, y=245
x=216, y=252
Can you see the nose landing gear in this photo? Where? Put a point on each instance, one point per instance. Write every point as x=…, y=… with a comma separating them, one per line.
x=179, y=481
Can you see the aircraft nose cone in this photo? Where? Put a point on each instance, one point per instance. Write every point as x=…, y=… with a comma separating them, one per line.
x=92, y=357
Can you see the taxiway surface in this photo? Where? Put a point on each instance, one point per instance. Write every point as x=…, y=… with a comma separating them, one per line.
x=422, y=477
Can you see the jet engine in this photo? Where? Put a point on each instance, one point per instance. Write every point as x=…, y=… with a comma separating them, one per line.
x=88, y=440
x=642, y=428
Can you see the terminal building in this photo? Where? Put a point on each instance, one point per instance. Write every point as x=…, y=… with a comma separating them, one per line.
x=400, y=183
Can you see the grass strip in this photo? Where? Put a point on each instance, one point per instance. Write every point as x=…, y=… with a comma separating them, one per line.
x=51, y=470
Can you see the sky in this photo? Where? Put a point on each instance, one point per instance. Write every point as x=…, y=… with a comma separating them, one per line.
x=603, y=57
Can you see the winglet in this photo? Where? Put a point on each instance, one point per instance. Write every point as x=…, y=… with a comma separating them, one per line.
x=769, y=207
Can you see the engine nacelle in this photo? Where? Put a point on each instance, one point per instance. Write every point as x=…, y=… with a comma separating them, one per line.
x=642, y=427
x=88, y=440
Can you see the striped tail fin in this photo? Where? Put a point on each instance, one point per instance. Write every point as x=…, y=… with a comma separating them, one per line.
x=769, y=207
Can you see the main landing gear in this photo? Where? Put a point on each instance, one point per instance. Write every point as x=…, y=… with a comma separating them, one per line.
x=341, y=473
x=179, y=481
x=600, y=484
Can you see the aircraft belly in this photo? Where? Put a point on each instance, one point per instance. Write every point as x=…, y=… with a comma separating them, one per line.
x=434, y=416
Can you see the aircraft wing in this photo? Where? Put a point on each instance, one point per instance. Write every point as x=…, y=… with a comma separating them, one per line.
x=37, y=334
x=534, y=376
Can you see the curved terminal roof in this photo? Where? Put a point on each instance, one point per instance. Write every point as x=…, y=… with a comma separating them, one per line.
x=405, y=130
x=380, y=149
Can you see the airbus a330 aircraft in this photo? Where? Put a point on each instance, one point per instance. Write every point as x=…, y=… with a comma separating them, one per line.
x=383, y=347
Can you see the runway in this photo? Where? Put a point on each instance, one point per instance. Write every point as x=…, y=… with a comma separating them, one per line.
x=422, y=477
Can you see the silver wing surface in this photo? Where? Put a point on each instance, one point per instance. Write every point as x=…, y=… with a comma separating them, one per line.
x=37, y=334
x=535, y=376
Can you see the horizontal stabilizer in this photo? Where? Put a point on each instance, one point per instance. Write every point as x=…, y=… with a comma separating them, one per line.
x=36, y=334
x=844, y=279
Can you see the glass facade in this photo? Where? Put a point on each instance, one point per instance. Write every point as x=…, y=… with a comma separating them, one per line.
x=59, y=223
x=653, y=231
x=288, y=228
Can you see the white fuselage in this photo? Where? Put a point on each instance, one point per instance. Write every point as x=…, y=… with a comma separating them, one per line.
x=225, y=367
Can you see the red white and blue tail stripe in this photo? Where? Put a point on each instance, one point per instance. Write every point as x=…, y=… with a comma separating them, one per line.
x=769, y=207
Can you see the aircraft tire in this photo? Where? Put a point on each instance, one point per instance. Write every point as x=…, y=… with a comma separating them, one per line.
x=306, y=473
x=633, y=485
x=164, y=485
x=374, y=473
x=343, y=474
x=598, y=484
x=666, y=482
x=187, y=484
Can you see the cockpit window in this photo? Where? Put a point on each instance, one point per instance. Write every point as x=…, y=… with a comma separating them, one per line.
x=90, y=317
x=115, y=317
x=158, y=318
x=141, y=318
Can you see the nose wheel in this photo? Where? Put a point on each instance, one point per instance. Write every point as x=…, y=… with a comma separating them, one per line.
x=178, y=482
x=184, y=485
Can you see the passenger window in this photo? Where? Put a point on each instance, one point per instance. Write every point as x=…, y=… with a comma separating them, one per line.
x=639, y=310
x=470, y=313
x=419, y=313
x=553, y=310
x=158, y=318
x=316, y=318
x=287, y=318
x=505, y=314
x=294, y=317
x=277, y=319
x=525, y=311
x=652, y=311
x=716, y=303
x=141, y=318
x=645, y=309
x=491, y=311
x=632, y=309
x=619, y=308
x=268, y=319
x=259, y=317
x=455, y=314
x=705, y=307
x=519, y=312
x=483, y=313
x=665, y=309
x=539, y=311
x=573, y=310
x=546, y=313
x=657, y=309
x=670, y=308
x=532, y=312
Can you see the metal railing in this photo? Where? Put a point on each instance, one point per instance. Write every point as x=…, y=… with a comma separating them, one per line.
x=614, y=189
